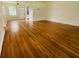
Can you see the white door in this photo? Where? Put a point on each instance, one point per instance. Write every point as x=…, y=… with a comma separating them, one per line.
x=29, y=14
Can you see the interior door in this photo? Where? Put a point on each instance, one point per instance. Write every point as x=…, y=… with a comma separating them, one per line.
x=29, y=14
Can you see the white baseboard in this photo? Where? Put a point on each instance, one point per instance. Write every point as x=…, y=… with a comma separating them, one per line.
x=63, y=22
x=1, y=41
x=38, y=20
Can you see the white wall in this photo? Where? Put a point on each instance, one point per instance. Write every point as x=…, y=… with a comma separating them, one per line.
x=37, y=15
x=63, y=12
x=2, y=31
x=59, y=11
x=19, y=9
x=4, y=15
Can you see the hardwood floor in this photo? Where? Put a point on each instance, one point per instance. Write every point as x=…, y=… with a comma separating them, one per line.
x=40, y=39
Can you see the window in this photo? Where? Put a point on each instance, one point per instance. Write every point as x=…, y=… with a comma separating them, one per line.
x=12, y=10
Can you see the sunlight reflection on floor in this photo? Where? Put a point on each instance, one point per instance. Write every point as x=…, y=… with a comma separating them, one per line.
x=14, y=26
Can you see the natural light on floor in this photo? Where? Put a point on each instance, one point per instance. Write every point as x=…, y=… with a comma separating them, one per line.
x=14, y=26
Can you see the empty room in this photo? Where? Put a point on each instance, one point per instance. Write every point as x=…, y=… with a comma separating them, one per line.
x=39, y=29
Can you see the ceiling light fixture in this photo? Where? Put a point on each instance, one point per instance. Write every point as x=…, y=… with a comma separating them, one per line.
x=17, y=3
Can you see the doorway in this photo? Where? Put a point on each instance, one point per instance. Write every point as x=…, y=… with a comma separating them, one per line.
x=29, y=13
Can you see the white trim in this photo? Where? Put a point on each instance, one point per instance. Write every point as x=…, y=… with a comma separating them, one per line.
x=38, y=20
x=68, y=23
x=1, y=43
x=5, y=24
x=34, y=20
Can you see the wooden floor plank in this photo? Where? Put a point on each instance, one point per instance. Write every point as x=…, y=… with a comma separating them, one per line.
x=40, y=39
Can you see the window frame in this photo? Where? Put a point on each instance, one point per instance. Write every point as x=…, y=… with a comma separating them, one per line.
x=12, y=12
